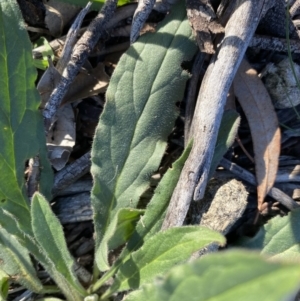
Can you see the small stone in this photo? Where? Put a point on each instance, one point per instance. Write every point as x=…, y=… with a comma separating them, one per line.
x=223, y=204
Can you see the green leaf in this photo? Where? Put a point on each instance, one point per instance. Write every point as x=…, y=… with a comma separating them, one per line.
x=21, y=126
x=155, y=213
x=3, y=285
x=138, y=116
x=152, y=221
x=29, y=243
x=224, y=276
x=47, y=52
x=10, y=224
x=227, y=133
x=41, y=64
x=160, y=253
x=154, y=216
x=49, y=234
x=15, y=262
x=117, y=233
x=278, y=239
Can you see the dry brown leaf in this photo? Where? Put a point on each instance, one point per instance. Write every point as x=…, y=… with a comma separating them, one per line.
x=47, y=83
x=87, y=84
x=262, y=119
x=59, y=14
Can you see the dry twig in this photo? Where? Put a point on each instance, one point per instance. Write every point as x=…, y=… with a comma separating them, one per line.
x=209, y=110
x=71, y=173
x=83, y=47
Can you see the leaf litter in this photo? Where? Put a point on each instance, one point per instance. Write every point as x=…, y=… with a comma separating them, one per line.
x=262, y=119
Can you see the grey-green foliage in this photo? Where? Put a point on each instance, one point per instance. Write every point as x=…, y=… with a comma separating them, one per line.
x=227, y=133
x=15, y=261
x=152, y=221
x=129, y=144
x=49, y=235
x=156, y=209
x=161, y=252
x=224, y=276
x=278, y=239
x=139, y=115
x=118, y=232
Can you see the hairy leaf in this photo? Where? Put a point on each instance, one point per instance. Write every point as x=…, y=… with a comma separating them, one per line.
x=160, y=253
x=29, y=243
x=139, y=115
x=49, y=234
x=278, y=239
x=21, y=135
x=155, y=213
x=234, y=275
x=153, y=219
x=15, y=262
x=118, y=232
x=227, y=133
x=262, y=119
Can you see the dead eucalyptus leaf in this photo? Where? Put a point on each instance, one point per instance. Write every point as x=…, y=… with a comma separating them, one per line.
x=262, y=119
x=61, y=138
x=47, y=83
x=87, y=84
x=59, y=14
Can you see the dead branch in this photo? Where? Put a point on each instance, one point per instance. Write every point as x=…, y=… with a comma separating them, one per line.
x=210, y=105
x=71, y=39
x=84, y=46
x=71, y=173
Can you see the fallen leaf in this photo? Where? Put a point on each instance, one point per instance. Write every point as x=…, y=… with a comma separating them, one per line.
x=87, y=84
x=47, y=83
x=257, y=105
x=58, y=15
